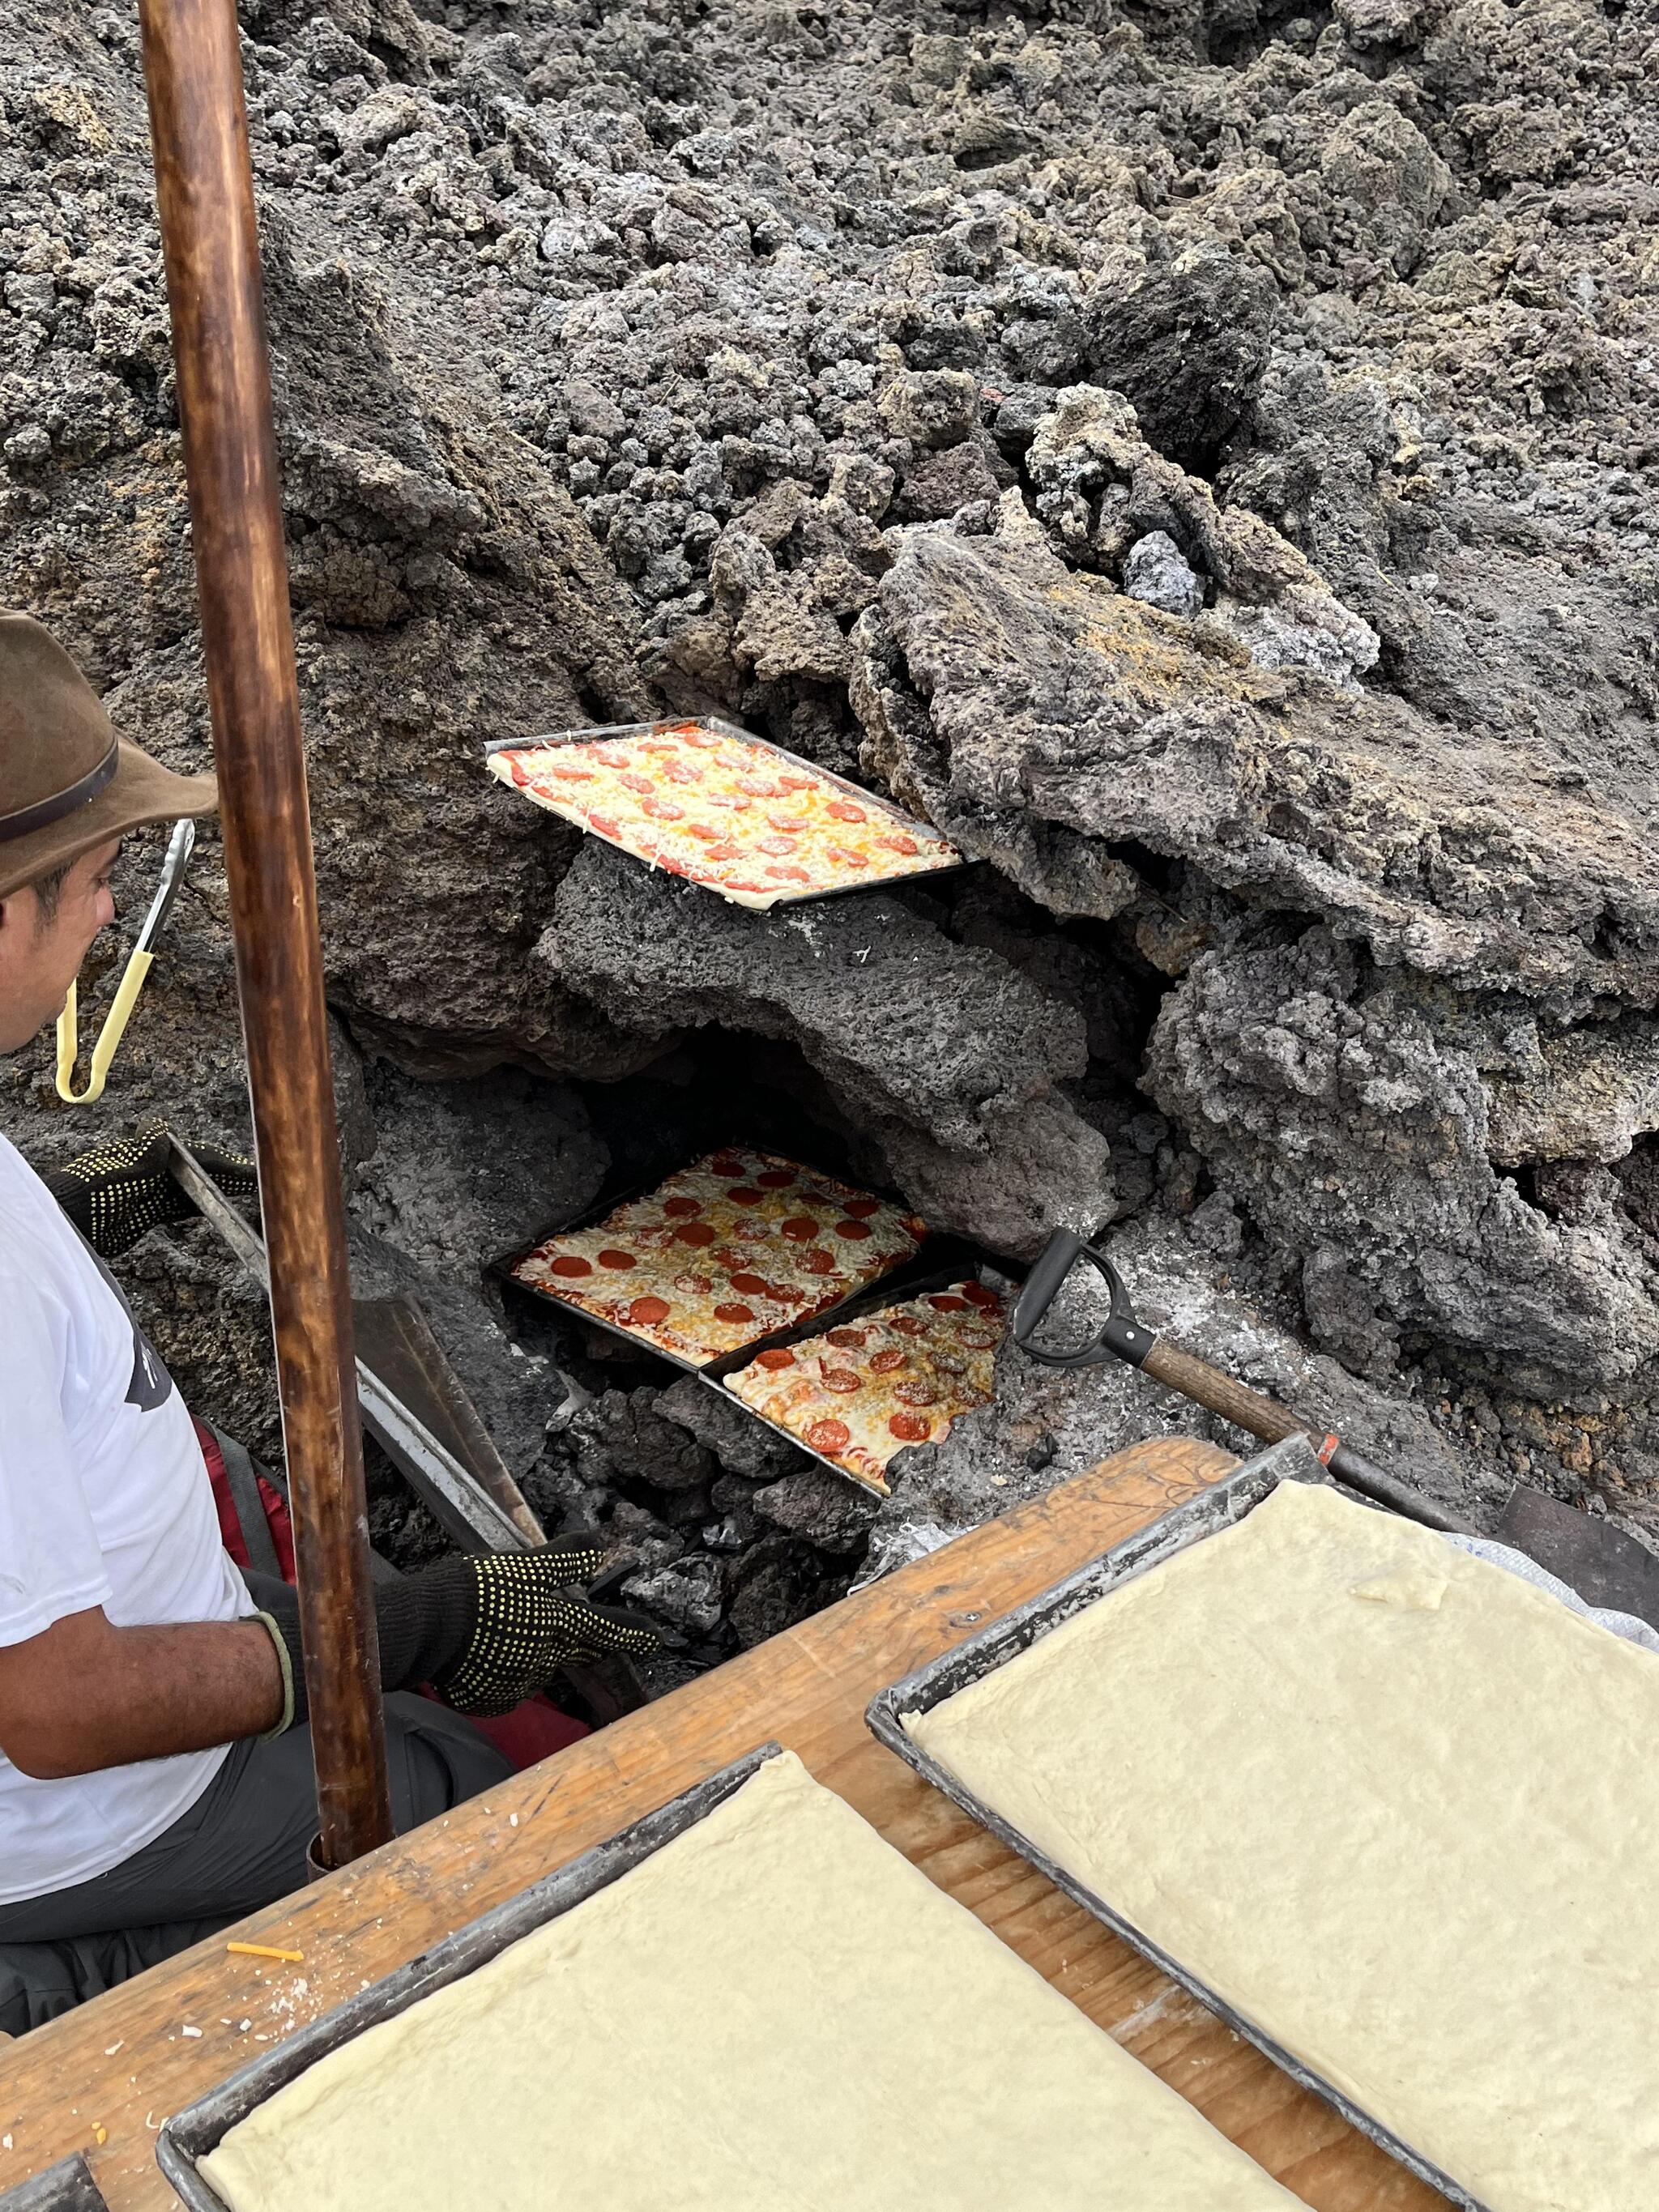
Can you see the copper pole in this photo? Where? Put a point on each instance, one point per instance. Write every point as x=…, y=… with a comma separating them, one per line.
x=204, y=188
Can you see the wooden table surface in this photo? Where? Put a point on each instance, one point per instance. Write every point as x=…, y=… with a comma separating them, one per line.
x=102, y=2079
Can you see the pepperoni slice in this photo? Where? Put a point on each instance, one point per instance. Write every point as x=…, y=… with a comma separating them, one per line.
x=780, y=847
x=569, y=1264
x=620, y=1260
x=844, y=856
x=644, y=1311
x=795, y=783
x=916, y=1394
x=752, y=1287
x=840, y=1378
x=566, y=772
x=830, y=1437
x=722, y=852
x=862, y=1208
x=909, y=1324
x=662, y=810
x=884, y=1362
x=741, y=1194
x=781, y=1358
x=846, y=1340
x=800, y=1228
x=944, y=1303
x=757, y=787
x=977, y=1294
x=702, y=830
x=726, y=1163
x=792, y=825
x=734, y=1313
x=694, y=1286
x=781, y=871
x=842, y=810
x=742, y=883
x=775, y=1179
x=911, y=1428
x=854, y=1232
x=817, y=1261
x=981, y=1339
x=604, y=824
x=907, y=846
x=635, y=783
x=680, y=1209
x=697, y=1233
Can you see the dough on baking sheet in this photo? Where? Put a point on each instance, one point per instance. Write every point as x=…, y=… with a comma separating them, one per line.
x=1398, y=1807
x=777, y=2012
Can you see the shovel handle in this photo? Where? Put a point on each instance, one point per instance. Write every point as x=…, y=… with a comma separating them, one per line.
x=1207, y=1386
x=1266, y=1418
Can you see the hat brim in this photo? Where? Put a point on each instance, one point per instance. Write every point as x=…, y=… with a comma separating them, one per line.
x=140, y=791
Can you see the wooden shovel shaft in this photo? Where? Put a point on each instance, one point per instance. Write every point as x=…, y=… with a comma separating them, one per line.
x=204, y=188
x=1264, y=1417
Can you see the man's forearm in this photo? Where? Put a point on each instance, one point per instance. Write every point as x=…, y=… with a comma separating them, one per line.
x=86, y=1695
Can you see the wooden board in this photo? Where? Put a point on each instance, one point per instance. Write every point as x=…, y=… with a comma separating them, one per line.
x=102, y=2079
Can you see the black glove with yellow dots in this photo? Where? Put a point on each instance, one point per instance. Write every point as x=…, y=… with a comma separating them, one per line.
x=120, y=1188
x=485, y=1631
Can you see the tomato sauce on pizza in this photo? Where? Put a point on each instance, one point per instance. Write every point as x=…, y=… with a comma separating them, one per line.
x=868, y=1388
x=724, y=811
x=733, y=1248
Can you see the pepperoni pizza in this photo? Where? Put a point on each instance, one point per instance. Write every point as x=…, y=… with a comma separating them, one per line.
x=724, y=811
x=730, y=1249
x=861, y=1392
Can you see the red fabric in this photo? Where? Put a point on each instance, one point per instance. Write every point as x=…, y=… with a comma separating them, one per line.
x=277, y=1518
x=532, y=1731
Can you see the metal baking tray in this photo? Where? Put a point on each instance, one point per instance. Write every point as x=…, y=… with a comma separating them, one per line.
x=191, y=2134
x=1214, y=1509
x=930, y=1255
x=66, y=2187
x=895, y=1289
x=856, y=791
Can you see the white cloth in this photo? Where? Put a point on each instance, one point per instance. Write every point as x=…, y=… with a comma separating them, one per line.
x=104, y=1501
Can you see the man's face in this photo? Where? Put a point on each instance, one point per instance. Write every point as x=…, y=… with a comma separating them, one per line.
x=41, y=947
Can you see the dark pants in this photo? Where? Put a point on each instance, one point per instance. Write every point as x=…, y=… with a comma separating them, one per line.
x=242, y=1845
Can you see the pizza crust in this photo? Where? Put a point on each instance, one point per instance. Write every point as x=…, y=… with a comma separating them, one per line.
x=726, y=811
x=1395, y=1806
x=777, y=2012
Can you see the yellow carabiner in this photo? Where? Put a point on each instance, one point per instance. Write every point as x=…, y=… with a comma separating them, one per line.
x=141, y=960
x=109, y=1037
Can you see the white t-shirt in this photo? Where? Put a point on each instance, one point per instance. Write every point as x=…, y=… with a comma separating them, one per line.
x=104, y=1501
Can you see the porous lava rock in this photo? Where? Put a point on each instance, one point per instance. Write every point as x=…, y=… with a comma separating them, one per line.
x=850, y=371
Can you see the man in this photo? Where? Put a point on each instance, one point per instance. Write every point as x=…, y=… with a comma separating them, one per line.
x=155, y=1776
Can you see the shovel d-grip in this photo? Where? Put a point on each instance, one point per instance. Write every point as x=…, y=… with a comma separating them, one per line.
x=1122, y=1335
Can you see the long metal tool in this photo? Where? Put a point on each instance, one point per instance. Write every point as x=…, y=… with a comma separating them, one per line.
x=462, y=1503
x=1605, y=1565
x=210, y=240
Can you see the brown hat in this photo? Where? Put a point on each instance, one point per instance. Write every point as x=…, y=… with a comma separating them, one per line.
x=67, y=781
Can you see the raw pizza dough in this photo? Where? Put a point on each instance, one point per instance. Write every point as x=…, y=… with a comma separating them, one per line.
x=777, y=2013
x=878, y=1382
x=1398, y=1807
x=724, y=1253
x=735, y=816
